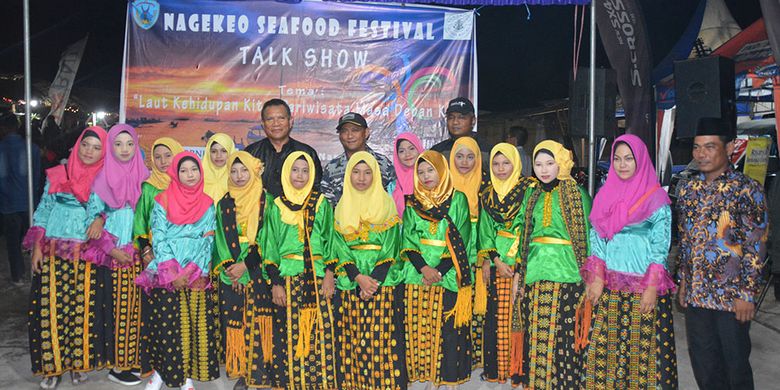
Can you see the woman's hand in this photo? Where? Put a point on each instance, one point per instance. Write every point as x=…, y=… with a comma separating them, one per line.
x=430, y=276
x=236, y=271
x=95, y=229
x=486, y=273
x=517, y=289
x=147, y=255
x=278, y=296
x=368, y=286
x=121, y=256
x=180, y=282
x=36, y=260
x=503, y=270
x=647, y=303
x=328, y=285
x=594, y=290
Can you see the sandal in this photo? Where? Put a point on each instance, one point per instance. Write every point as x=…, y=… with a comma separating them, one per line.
x=50, y=382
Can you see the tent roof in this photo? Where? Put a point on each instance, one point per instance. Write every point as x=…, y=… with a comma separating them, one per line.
x=484, y=2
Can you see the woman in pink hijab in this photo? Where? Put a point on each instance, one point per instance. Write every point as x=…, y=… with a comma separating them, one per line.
x=116, y=261
x=627, y=277
x=407, y=148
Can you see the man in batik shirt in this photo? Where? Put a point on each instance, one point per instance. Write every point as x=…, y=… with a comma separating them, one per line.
x=353, y=133
x=723, y=224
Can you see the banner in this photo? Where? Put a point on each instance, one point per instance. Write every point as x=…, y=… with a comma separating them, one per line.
x=621, y=26
x=194, y=67
x=59, y=91
x=757, y=158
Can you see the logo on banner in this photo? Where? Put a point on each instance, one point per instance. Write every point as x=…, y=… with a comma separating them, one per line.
x=145, y=13
x=458, y=26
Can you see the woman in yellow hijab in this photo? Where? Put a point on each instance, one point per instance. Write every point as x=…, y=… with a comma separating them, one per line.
x=163, y=150
x=500, y=229
x=239, y=240
x=438, y=277
x=467, y=177
x=554, y=247
x=300, y=265
x=369, y=319
x=215, y=168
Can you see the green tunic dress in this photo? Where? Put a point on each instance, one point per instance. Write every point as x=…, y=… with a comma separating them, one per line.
x=245, y=313
x=553, y=289
x=436, y=350
x=142, y=229
x=370, y=328
x=301, y=359
x=502, y=240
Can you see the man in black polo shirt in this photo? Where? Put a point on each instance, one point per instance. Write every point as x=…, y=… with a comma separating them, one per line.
x=272, y=150
x=460, y=123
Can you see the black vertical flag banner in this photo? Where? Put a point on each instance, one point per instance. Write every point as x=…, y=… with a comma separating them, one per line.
x=621, y=26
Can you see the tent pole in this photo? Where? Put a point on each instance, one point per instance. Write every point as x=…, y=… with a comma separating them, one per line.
x=28, y=110
x=592, y=103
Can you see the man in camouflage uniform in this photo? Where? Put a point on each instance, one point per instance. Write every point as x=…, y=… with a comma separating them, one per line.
x=353, y=133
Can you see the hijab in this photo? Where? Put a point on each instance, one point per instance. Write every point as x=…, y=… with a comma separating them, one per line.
x=624, y=202
x=119, y=183
x=216, y=179
x=184, y=205
x=294, y=195
x=502, y=187
x=158, y=178
x=76, y=177
x=443, y=190
x=247, y=198
x=374, y=206
x=562, y=156
x=469, y=183
x=404, y=184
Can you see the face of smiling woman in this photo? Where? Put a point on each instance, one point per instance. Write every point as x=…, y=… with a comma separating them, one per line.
x=545, y=167
x=427, y=175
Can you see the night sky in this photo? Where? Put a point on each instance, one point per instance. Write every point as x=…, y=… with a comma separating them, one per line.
x=521, y=61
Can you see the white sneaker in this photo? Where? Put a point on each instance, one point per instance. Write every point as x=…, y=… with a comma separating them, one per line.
x=188, y=385
x=155, y=382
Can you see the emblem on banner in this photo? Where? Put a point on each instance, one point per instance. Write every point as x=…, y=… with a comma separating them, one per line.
x=458, y=26
x=145, y=13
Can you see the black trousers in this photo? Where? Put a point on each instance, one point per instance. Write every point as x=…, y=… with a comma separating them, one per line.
x=719, y=347
x=14, y=227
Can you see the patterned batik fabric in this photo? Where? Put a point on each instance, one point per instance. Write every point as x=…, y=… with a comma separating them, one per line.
x=177, y=336
x=630, y=350
x=498, y=322
x=477, y=330
x=127, y=317
x=370, y=337
x=70, y=315
x=317, y=370
x=549, y=359
x=436, y=350
x=722, y=228
x=242, y=327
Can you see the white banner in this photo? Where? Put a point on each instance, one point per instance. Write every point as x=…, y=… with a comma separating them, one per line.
x=59, y=91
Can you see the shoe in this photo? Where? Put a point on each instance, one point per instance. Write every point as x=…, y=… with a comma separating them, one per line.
x=123, y=378
x=155, y=382
x=50, y=382
x=18, y=283
x=188, y=385
x=78, y=377
x=240, y=384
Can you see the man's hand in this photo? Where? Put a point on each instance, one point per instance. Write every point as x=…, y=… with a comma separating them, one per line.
x=744, y=310
x=681, y=294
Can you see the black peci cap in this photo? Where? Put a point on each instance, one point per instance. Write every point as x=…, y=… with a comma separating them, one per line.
x=715, y=126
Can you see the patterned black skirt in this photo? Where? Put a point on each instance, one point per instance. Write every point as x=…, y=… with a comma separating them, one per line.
x=436, y=351
x=178, y=332
x=370, y=340
x=630, y=350
x=70, y=318
x=498, y=324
